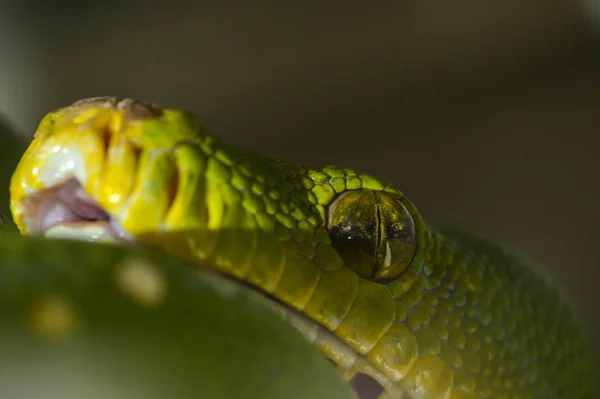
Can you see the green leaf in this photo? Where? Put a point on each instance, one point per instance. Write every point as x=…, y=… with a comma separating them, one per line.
x=92, y=321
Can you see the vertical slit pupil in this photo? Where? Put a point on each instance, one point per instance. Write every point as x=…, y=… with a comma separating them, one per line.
x=378, y=237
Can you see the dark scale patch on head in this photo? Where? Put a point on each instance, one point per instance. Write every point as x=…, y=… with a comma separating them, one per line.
x=134, y=109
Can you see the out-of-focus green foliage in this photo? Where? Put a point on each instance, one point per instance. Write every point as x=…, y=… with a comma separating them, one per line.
x=82, y=320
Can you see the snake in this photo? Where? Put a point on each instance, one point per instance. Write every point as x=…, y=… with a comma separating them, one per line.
x=427, y=312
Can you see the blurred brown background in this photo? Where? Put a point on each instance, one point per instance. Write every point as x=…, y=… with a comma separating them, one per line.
x=484, y=113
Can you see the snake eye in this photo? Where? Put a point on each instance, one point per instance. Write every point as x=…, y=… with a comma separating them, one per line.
x=373, y=233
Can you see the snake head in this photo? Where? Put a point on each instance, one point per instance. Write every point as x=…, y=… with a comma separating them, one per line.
x=110, y=169
x=86, y=173
x=324, y=242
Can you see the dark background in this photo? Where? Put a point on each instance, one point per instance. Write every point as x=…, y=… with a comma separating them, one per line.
x=486, y=114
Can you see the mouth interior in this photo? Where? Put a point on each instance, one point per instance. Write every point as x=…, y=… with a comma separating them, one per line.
x=65, y=210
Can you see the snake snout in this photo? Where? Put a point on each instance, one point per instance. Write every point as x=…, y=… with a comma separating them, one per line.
x=81, y=165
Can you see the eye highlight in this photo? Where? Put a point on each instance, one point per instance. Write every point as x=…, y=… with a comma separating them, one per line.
x=373, y=233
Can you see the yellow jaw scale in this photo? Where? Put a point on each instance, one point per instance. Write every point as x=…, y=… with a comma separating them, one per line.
x=463, y=320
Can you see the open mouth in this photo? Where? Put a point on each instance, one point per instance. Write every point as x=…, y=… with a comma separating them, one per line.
x=66, y=211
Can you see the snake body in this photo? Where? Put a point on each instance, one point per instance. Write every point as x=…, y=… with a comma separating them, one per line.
x=428, y=313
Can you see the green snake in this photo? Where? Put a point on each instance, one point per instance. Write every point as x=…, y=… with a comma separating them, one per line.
x=427, y=312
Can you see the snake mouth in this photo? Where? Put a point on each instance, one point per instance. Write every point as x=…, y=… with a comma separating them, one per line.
x=65, y=210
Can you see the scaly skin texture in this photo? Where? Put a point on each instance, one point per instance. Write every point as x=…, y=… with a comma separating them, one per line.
x=458, y=317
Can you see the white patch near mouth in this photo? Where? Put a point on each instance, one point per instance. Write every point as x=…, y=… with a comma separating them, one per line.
x=64, y=163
